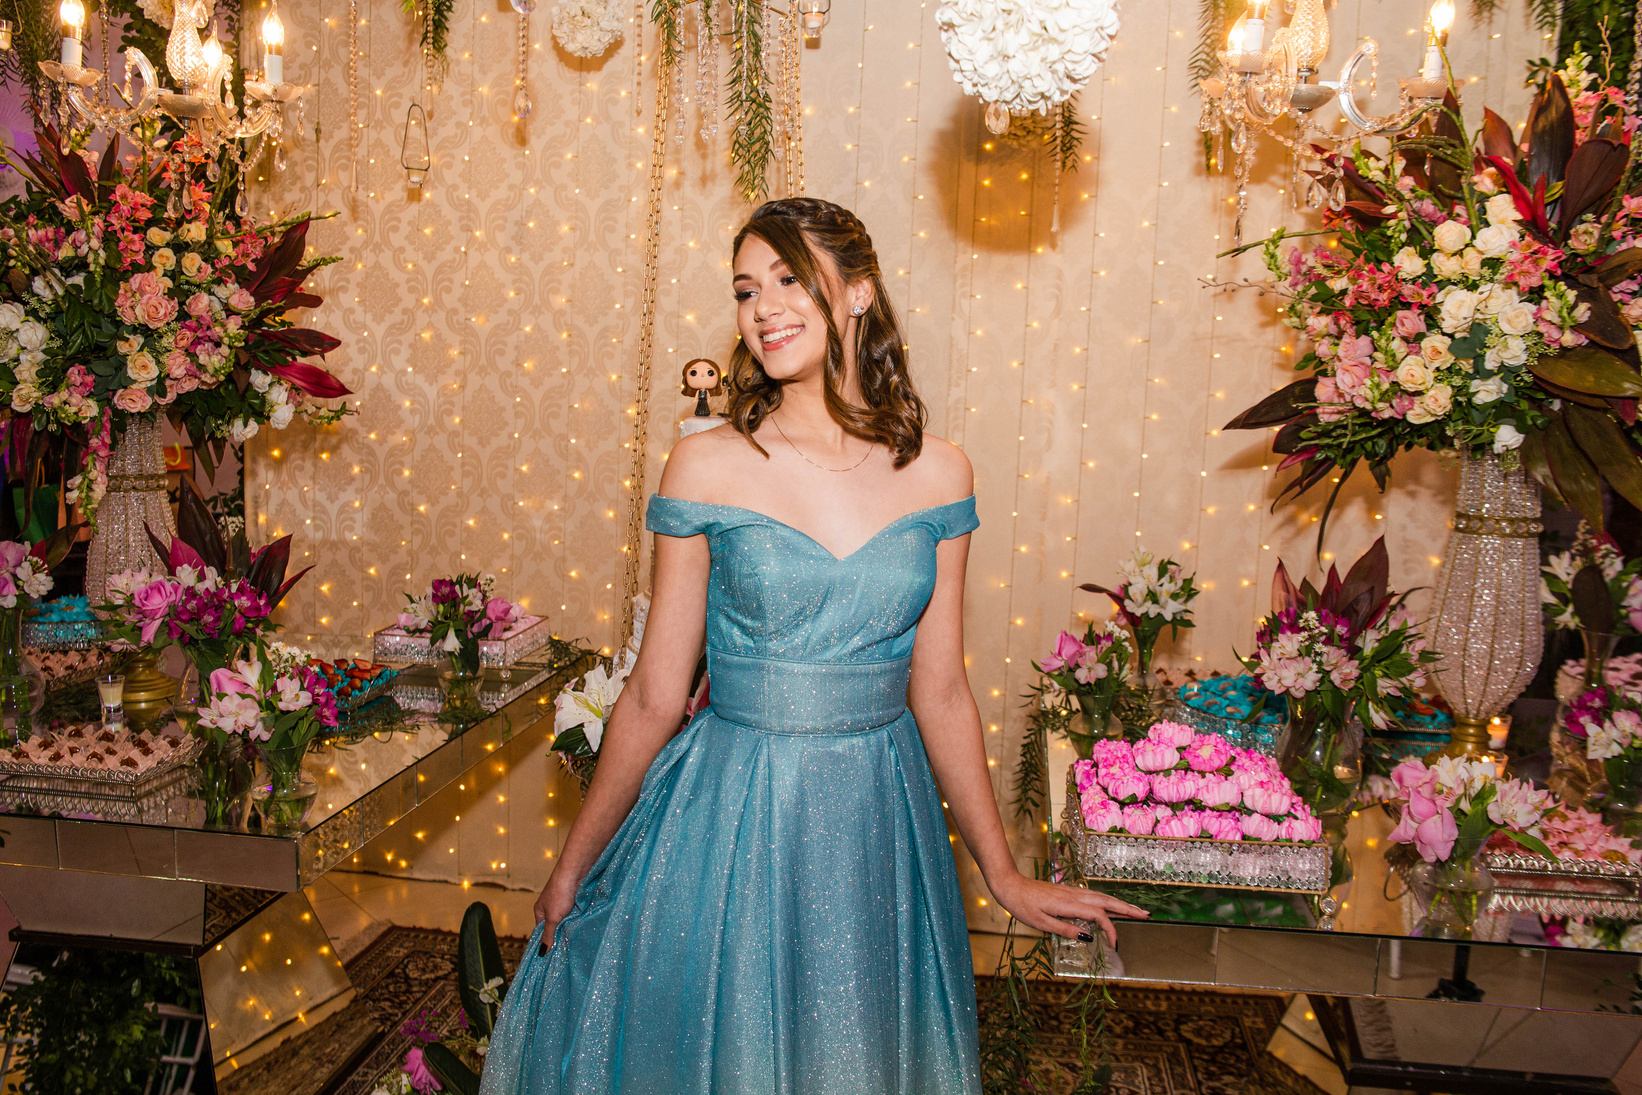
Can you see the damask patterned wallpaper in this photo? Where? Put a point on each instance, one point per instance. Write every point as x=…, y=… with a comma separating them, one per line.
x=489, y=328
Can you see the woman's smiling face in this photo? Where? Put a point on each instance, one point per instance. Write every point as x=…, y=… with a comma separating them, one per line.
x=782, y=326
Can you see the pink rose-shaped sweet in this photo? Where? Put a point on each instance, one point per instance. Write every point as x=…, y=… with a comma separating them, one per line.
x=1258, y=827
x=1084, y=773
x=1208, y=753
x=1108, y=774
x=1175, y=787
x=1130, y=788
x=1154, y=756
x=1219, y=793
x=1266, y=799
x=1222, y=826
x=1109, y=751
x=1300, y=828
x=1180, y=825
x=1139, y=820
x=1176, y=734
x=1103, y=816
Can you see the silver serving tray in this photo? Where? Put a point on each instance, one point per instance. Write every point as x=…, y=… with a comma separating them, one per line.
x=109, y=777
x=394, y=645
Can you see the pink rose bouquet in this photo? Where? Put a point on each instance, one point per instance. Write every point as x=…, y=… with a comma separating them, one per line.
x=456, y=613
x=1450, y=808
x=1180, y=783
x=132, y=292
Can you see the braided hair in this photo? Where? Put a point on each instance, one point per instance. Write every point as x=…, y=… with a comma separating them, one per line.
x=799, y=230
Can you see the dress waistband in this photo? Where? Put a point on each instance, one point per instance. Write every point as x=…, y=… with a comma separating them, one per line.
x=787, y=697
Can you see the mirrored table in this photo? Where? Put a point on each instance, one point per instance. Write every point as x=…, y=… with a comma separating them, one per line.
x=76, y=871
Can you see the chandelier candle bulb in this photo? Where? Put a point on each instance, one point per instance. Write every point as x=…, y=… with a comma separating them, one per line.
x=273, y=46
x=73, y=15
x=1254, y=27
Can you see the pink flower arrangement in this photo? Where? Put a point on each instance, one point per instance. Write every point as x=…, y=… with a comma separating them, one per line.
x=1572, y=833
x=275, y=697
x=1244, y=797
x=1450, y=808
x=457, y=612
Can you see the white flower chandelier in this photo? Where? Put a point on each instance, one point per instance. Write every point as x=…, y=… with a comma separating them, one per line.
x=587, y=28
x=1025, y=56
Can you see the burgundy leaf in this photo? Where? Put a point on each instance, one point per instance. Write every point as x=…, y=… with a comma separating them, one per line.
x=310, y=379
x=303, y=340
x=1497, y=137
x=1595, y=169
x=1550, y=134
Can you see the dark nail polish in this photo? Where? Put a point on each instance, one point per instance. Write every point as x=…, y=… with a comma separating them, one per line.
x=1085, y=937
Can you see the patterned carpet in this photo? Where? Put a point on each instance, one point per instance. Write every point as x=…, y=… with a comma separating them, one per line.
x=1166, y=1042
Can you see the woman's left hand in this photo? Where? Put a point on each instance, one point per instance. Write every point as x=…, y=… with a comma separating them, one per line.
x=1050, y=907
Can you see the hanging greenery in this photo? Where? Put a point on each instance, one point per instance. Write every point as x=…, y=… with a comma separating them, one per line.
x=749, y=104
x=34, y=39
x=435, y=17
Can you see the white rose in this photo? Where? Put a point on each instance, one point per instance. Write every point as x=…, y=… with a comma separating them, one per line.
x=141, y=367
x=192, y=264
x=11, y=315
x=1517, y=319
x=1420, y=414
x=24, y=397
x=1507, y=437
x=159, y=237
x=1495, y=298
x=1496, y=240
x=241, y=431
x=1458, y=308
x=1502, y=210
x=31, y=335
x=1513, y=351
x=1414, y=375
x=1473, y=262
x=1409, y=264
x=260, y=380
x=26, y=373
x=1486, y=391
x=45, y=288
x=1452, y=236
x=1439, y=400
x=1434, y=349
x=281, y=416
x=1448, y=267
x=193, y=232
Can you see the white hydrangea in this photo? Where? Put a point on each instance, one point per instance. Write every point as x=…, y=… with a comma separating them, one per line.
x=1026, y=55
x=587, y=28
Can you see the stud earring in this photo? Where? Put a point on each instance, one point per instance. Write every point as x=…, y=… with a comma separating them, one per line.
x=857, y=310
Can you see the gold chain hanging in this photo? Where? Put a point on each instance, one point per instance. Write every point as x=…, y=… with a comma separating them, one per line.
x=647, y=327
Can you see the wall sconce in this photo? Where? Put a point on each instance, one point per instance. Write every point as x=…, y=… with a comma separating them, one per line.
x=413, y=148
x=813, y=15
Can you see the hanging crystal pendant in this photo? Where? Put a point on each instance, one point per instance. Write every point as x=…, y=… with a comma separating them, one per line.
x=521, y=102
x=997, y=118
x=241, y=206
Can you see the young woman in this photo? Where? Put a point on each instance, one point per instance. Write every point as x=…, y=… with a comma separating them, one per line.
x=766, y=902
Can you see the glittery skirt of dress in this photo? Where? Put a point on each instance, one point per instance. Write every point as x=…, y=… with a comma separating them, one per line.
x=779, y=913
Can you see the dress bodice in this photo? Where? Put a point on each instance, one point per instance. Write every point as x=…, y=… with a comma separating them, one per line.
x=775, y=592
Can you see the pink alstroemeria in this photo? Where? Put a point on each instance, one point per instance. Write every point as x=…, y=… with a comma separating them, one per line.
x=1428, y=824
x=1066, y=652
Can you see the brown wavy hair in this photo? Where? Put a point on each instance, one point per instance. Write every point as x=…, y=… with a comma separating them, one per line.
x=799, y=230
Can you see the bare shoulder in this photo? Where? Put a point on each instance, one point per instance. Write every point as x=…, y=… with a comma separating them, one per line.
x=945, y=470
x=700, y=464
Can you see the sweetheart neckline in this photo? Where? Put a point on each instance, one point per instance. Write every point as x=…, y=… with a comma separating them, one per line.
x=868, y=542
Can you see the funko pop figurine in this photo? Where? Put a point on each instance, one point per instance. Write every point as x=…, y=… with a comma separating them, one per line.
x=702, y=378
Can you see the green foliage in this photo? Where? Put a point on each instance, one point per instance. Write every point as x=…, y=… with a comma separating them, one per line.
x=749, y=102
x=481, y=986
x=435, y=17
x=34, y=38
x=90, y=1019
x=1604, y=28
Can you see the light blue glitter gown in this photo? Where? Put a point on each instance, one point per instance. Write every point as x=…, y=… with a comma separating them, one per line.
x=779, y=915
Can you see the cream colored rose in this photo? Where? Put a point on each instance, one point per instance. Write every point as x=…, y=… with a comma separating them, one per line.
x=1495, y=298
x=1438, y=399
x=141, y=367
x=192, y=264
x=1502, y=209
x=1409, y=264
x=1414, y=375
x=1495, y=240
x=164, y=259
x=1448, y=267
x=1516, y=319
x=129, y=344
x=1473, y=262
x=11, y=315
x=1458, y=308
x=193, y=232
x=1486, y=391
x=159, y=237
x=1434, y=349
x=31, y=335
x=1514, y=350
x=24, y=397
x=1420, y=414
x=1452, y=236
x=1585, y=236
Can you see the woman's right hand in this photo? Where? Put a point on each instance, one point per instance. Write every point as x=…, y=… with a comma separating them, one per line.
x=554, y=904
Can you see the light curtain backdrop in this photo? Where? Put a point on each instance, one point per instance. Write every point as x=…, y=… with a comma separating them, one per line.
x=489, y=327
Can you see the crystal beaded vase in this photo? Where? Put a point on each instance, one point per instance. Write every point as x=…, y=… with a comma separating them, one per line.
x=136, y=495
x=1485, y=615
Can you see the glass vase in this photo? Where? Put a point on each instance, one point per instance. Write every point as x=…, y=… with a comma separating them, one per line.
x=225, y=773
x=1485, y=614
x=1090, y=722
x=1622, y=802
x=136, y=497
x=1450, y=894
x=22, y=685
x=1598, y=649
x=286, y=792
x=1321, y=753
x=461, y=695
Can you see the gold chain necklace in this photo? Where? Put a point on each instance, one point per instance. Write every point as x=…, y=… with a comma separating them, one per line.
x=807, y=460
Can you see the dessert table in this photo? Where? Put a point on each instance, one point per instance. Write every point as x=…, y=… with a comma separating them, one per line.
x=1535, y=1017
x=75, y=872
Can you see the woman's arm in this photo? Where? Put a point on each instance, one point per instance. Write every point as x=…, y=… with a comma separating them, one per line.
x=645, y=718
x=951, y=727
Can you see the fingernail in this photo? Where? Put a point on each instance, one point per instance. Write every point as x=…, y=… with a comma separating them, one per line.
x=1085, y=937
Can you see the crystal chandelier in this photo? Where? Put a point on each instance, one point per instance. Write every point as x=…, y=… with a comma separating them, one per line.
x=1258, y=85
x=201, y=102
